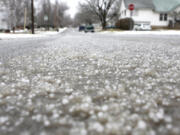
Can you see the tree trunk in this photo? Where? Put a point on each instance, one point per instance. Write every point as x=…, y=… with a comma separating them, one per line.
x=103, y=23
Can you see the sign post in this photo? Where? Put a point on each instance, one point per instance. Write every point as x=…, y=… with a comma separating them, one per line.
x=131, y=8
x=46, y=21
x=25, y=16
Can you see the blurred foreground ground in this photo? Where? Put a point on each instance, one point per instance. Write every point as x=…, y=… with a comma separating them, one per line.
x=90, y=84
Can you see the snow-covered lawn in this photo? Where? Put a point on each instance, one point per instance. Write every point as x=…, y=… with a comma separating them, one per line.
x=18, y=34
x=159, y=32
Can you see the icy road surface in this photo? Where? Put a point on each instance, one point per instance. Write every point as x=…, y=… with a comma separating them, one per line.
x=90, y=84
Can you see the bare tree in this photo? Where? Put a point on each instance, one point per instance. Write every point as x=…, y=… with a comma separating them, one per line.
x=85, y=16
x=54, y=12
x=103, y=9
x=11, y=18
x=16, y=11
x=66, y=21
x=62, y=8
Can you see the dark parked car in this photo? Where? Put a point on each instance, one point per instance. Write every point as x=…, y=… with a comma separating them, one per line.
x=89, y=28
x=81, y=28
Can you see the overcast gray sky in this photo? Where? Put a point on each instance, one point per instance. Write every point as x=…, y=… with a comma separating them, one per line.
x=73, y=4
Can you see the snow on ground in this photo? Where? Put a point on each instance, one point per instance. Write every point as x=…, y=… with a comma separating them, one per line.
x=92, y=84
x=159, y=32
x=19, y=34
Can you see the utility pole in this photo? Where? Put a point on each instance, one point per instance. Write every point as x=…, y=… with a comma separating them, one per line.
x=32, y=16
x=25, y=16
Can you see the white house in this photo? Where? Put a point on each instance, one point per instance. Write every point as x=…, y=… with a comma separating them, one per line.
x=158, y=13
x=3, y=18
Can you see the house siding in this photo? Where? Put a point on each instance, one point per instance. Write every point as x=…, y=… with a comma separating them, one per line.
x=148, y=15
x=177, y=10
x=122, y=9
x=145, y=15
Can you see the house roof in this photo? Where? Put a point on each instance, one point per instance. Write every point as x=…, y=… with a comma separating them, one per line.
x=157, y=5
x=166, y=5
x=140, y=3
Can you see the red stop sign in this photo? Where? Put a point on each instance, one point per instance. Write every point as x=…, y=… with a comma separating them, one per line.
x=131, y=7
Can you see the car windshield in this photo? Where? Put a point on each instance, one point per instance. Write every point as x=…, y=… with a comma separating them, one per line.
x=137, y=24
x=147, y=25
x=89, y=27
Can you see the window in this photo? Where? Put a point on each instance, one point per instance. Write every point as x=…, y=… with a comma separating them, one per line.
x=163, y=17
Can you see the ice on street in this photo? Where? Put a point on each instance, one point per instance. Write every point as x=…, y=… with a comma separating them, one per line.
x=90, y=84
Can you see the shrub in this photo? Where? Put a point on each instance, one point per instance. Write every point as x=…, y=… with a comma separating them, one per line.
x=7, y=31
x=125, y=24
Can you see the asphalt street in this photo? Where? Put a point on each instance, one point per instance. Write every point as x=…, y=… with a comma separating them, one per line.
x=90, y=84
